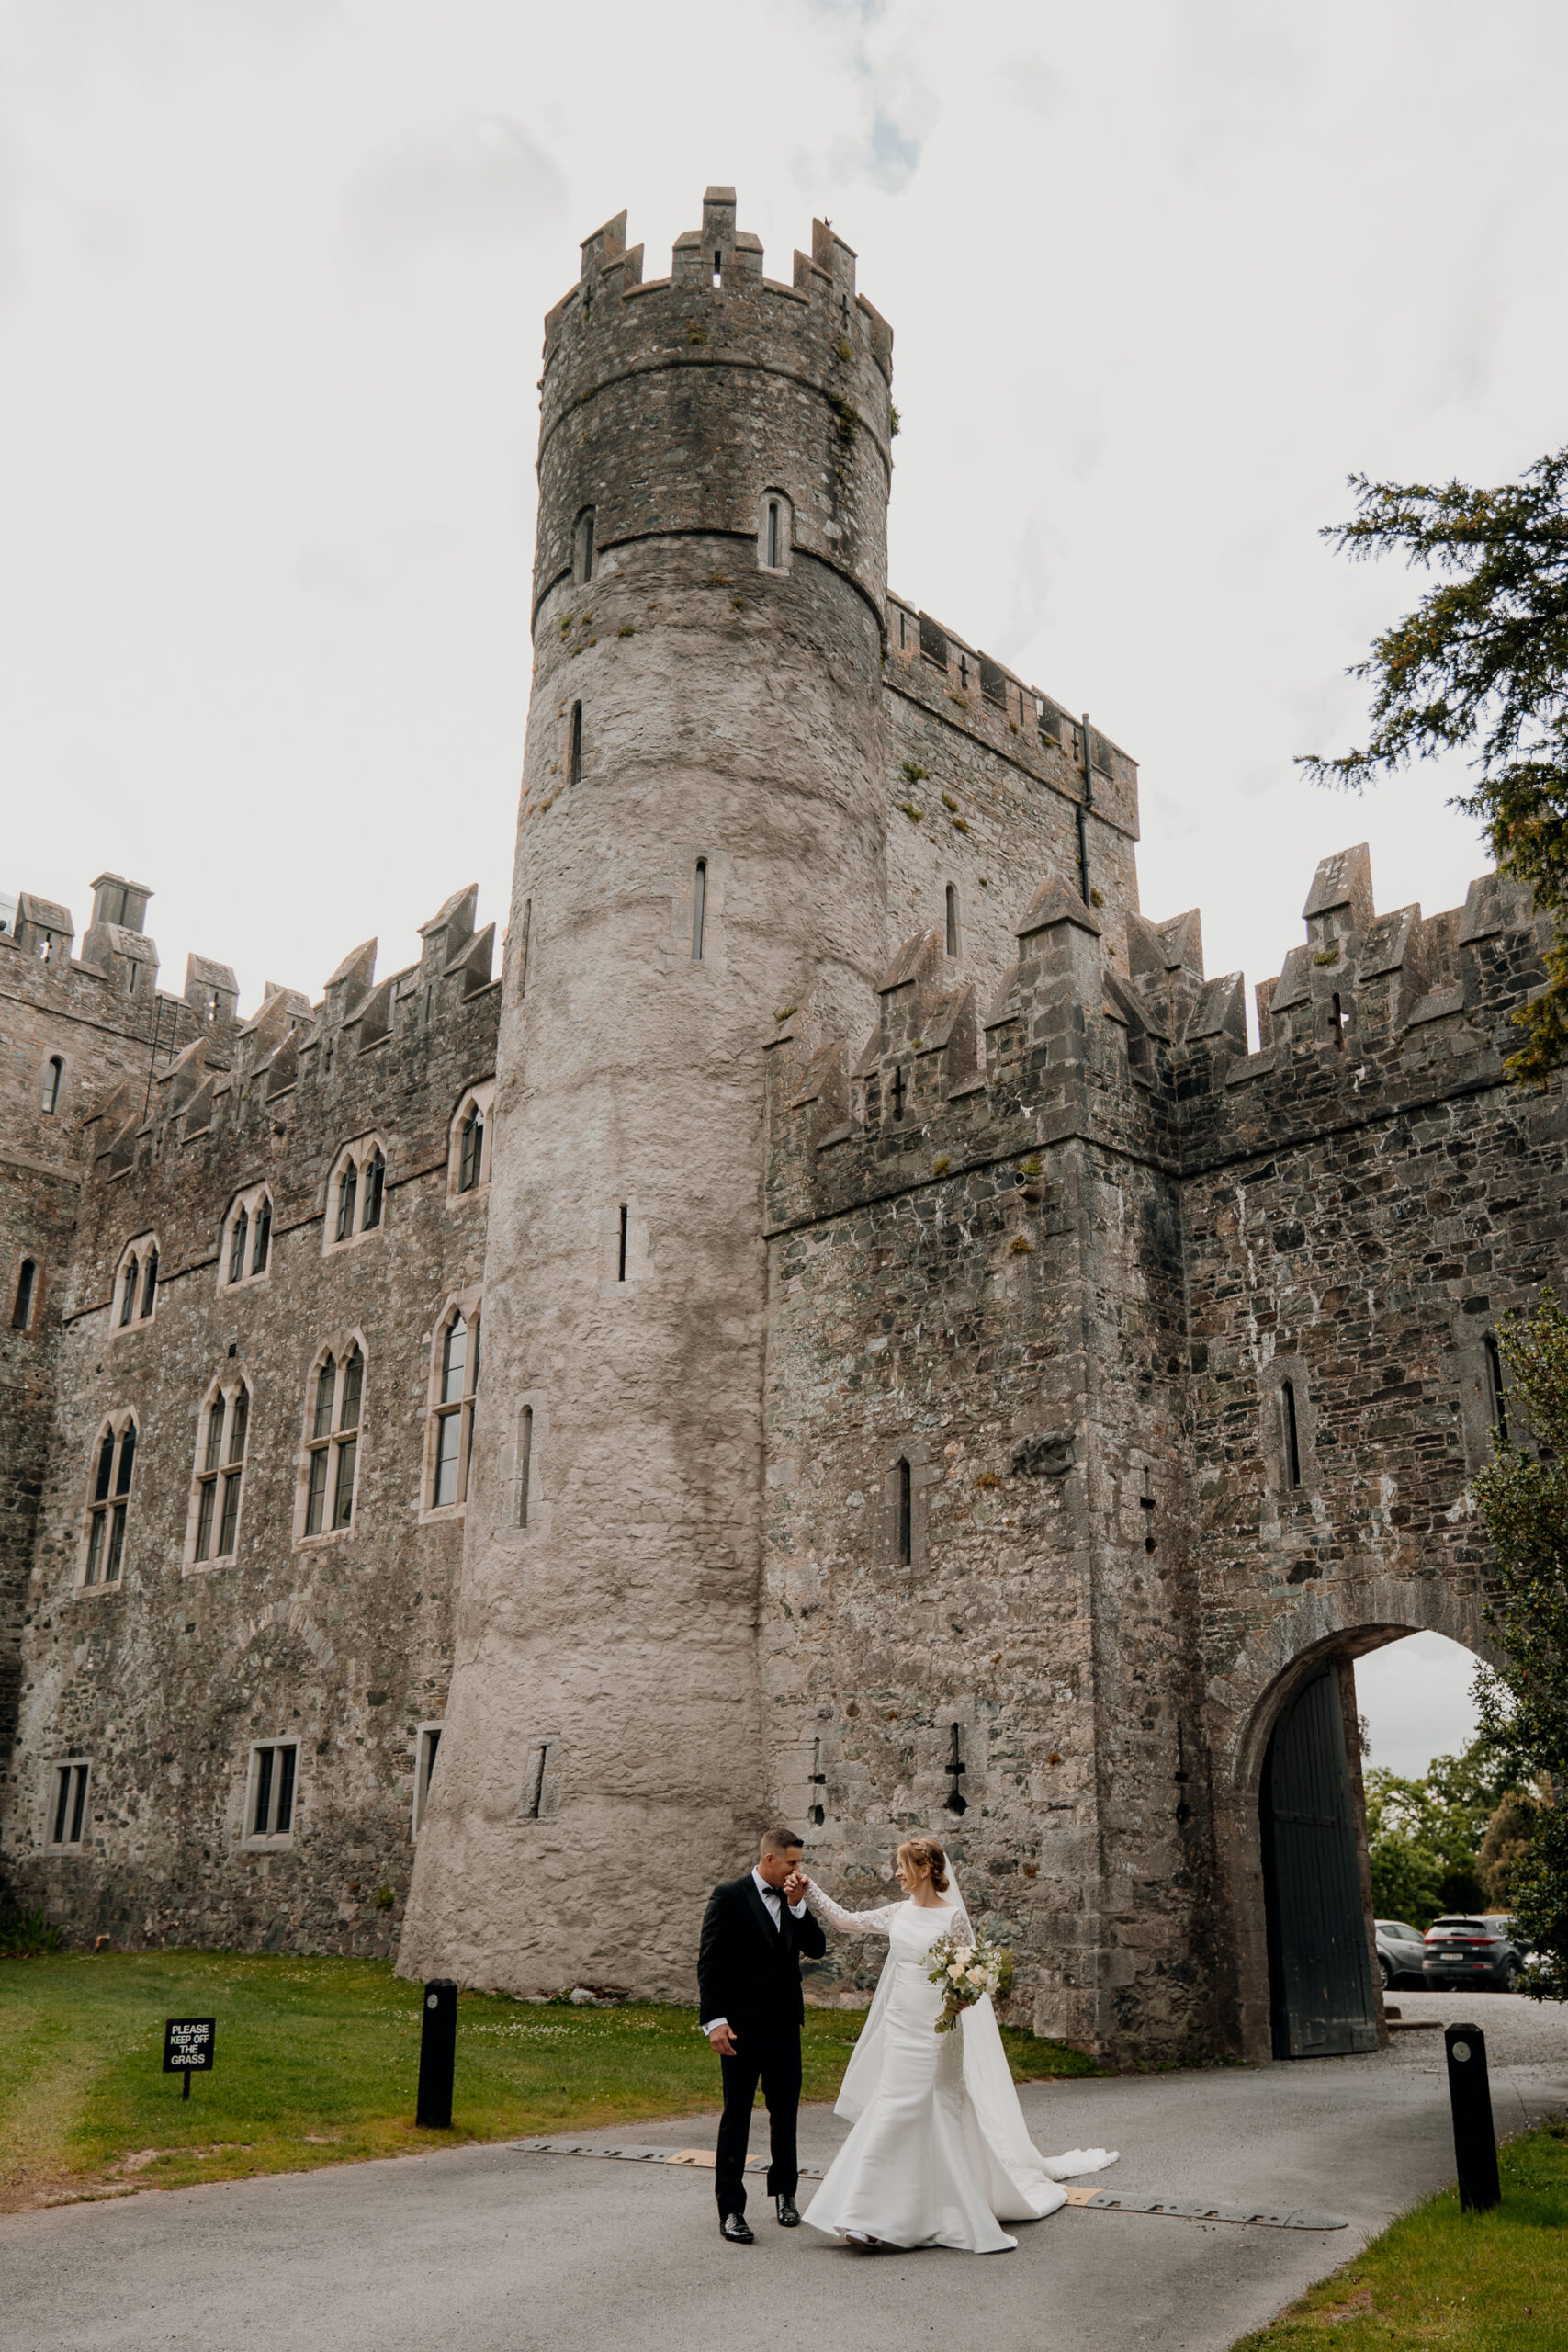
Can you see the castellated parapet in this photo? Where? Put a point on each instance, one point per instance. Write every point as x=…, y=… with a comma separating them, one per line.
x=670, y=405
x=935, y=1373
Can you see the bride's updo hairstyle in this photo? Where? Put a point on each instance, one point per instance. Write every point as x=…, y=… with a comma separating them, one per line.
x=925, y=1854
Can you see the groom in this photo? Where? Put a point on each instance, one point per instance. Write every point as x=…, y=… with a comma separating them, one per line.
x=755, y=1931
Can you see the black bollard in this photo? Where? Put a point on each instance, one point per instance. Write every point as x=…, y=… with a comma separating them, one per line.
x=1469, y=2096
x=437, y=2056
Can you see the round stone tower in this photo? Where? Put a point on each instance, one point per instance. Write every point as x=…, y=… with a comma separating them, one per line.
x=700, y=849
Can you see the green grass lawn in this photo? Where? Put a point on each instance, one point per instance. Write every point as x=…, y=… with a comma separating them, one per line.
x=1463, y=2282
x=317, y=2062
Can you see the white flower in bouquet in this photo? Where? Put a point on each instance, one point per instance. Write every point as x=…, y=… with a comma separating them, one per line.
x=967, y=1974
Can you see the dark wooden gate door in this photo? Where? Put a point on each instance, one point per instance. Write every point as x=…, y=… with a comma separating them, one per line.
x=1320, y=1976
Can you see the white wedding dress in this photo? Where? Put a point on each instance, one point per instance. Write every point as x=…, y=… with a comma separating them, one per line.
x=939, y=2154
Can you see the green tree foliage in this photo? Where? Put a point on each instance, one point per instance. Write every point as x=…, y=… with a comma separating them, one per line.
x=1508, y=1834
x=1522, y=1495
x=1424, y=1836
x=1482, y=666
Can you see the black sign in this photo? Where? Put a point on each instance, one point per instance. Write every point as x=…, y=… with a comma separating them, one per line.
x=188, y=2045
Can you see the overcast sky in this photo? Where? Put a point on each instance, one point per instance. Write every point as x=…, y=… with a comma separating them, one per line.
x=1414, y=1699
x=272, y=278
x=272, y=275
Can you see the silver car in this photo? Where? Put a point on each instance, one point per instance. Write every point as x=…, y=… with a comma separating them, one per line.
x=1401, y=1955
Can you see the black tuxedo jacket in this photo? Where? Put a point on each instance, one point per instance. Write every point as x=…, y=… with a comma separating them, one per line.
x=748, y=1969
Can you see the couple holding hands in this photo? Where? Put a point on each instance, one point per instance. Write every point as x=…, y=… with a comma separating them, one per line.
x=939, y=2154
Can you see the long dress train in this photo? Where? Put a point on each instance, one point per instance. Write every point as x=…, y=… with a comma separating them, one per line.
x=939, y=2154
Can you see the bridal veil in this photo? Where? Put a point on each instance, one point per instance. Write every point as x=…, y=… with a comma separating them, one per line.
x=1022, y=2184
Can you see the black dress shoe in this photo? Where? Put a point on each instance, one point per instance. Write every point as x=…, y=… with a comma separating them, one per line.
x=788, y=2212
x=735, y=2228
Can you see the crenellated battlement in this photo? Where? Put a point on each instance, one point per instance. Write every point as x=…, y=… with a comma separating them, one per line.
x=783, y=388
x=961, y=686
x=1371, y=1014
x=291, y=1047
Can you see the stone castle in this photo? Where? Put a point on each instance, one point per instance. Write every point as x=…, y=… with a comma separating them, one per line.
x=933, y=1371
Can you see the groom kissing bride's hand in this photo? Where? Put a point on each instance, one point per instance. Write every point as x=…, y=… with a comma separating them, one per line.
x=756, y=1931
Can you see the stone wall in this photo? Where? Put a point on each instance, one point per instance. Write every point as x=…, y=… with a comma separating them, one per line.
x=985, y=784
x=103, y=1022
x=167, y=1676
x=1058, y=1286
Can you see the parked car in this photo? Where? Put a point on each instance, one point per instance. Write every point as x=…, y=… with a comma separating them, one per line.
x=1473, y=1948
x=1401, y=1955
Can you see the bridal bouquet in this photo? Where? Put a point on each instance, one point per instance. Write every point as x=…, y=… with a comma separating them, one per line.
x=966, y=1971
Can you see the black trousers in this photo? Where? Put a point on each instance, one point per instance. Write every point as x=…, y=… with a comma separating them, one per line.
x=769, y=2055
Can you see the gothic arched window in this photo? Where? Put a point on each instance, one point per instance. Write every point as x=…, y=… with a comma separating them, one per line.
x=108, y=1503
x=220, y=1473
x=452, y=1411
x=331, y=1441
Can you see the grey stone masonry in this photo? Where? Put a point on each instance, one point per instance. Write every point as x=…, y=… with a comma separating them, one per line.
x=1032, y=1504
x=208, y=1258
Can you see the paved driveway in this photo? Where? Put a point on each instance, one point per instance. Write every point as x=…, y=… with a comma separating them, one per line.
x=485, y=2250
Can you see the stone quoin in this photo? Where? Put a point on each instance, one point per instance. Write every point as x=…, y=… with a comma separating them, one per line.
x=840, y=1325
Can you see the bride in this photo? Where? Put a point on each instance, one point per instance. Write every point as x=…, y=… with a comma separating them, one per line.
x=939, y=2154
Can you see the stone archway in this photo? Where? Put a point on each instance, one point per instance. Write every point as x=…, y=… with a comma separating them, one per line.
x=1329, y=1625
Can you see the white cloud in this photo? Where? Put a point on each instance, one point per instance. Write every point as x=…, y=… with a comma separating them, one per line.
x=480, y=179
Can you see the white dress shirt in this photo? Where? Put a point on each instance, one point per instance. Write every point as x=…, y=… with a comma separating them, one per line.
x=774, y=1902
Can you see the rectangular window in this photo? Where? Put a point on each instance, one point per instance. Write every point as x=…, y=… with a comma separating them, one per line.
x=229, y=1525
x=270, y=1812
x=343, y=1490
x=315, y=1500
x=21, y=1313
x=424, y=1765
x=699, y=909
x=525, y=1464
x=1291, y=1434
x=541, y=1794
x=69, y=1803
x=449, y=1437
x=905, y=1515
x=1496, y=1408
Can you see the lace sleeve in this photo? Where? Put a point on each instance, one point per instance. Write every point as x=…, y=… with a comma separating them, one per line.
x=852, y=1923
x=958, y=1926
